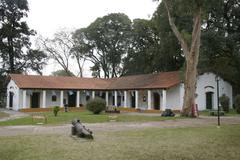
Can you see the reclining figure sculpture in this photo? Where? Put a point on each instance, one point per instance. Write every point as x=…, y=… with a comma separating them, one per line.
x=80, y=130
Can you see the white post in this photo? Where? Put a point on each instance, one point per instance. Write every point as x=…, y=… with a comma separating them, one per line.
x=106, y=97
x=78, y=95
x=149, y=99
x=164, y=94
x=125, y=99
x=115, y=98
x=44, y=99
x=61, y=99
x=93, y=94
x=136, y=99
x=24, y=99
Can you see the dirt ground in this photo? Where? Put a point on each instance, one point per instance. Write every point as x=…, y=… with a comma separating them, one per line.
x=116, y=126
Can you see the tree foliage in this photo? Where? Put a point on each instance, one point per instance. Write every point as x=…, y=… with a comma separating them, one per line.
x=62, y=73
x=220, y=51
x=15, y=52
x=105, y=42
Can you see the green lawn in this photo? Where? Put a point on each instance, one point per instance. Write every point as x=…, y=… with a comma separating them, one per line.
x=85, y=117
x=3, y=115
x=205, y=143
x=232, y=112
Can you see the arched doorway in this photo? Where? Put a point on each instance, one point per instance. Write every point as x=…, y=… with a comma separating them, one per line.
x=209, y=100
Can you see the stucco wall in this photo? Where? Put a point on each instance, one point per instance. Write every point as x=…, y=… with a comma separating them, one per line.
x=12, y=87
x=206, y=80
x=173, y=100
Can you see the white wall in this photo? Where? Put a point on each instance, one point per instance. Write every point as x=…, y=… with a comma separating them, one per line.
x=173, y=100
x=208, y=79
x=12, y=87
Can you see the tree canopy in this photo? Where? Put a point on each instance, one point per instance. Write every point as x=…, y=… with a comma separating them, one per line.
x=105, y=42
x=16, y=54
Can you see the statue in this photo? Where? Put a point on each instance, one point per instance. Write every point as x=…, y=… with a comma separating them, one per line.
x=80, y=130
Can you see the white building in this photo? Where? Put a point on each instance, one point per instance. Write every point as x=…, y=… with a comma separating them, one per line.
x=146, y=92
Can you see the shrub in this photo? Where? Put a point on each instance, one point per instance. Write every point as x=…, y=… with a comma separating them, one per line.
x=96, y=105
x=56, y=109
x=224, y=101
x=237, y=104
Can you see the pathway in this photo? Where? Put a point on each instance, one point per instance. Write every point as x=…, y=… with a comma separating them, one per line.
x=117, y=126
x=12, y=114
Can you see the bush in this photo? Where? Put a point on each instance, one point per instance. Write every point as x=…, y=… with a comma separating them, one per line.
x=224, y=101
x=237, y=104
x=56, y=109
x=96, y=105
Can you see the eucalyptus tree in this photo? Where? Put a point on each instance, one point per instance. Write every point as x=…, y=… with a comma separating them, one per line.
x=189, y=41
x=16, y=54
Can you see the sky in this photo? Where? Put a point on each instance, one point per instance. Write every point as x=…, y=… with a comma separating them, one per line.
x=49, y=16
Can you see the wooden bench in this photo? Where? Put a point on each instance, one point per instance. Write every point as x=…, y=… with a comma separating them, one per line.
x=36, y=117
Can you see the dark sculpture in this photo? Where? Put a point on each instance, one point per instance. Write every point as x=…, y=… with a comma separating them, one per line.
x=80, y=130
x=168, y=113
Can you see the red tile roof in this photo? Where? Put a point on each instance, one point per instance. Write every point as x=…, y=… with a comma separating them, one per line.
x=147, y=81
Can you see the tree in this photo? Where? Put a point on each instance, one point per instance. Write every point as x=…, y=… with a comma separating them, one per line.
x=220, y=52
x=61, y=49
x=15, y=52
x=189, y=45
x=62, y=73
x=140, y=55
x=105, y=42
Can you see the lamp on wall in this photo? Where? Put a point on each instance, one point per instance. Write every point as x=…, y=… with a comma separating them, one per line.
x=217, y=79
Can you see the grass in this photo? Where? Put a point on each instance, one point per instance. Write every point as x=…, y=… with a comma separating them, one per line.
x=3, y=115
x=147, y=144
x=232, y=112
x=86, y=117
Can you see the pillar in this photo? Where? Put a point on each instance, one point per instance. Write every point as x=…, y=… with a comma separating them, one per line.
x=136, y=99
x=115, y=98
x=164, y=103
x=93, y=94
x=61, y=99
x=149, y=99
x=78, y=97
x=44, y=99
x=125, y=99
x=24, y=99
x=106, y=98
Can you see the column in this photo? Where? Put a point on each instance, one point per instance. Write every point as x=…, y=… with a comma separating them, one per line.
x=136, y=99
x=164, y=103
x=44, y=99
x=149, y=99
x=93, y=94
x=115, y=98
x=24, y=99
x=125, y=99
x=106, y=97
x=61, y=99
x=78, y=97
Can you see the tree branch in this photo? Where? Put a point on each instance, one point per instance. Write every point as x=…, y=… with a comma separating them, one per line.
x=176, y=31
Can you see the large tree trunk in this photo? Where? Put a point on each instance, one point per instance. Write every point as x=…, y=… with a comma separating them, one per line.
x=191, y=55
x=191, y=67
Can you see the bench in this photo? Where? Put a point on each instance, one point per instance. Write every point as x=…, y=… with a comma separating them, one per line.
x=37, y=117
x=215, y=113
